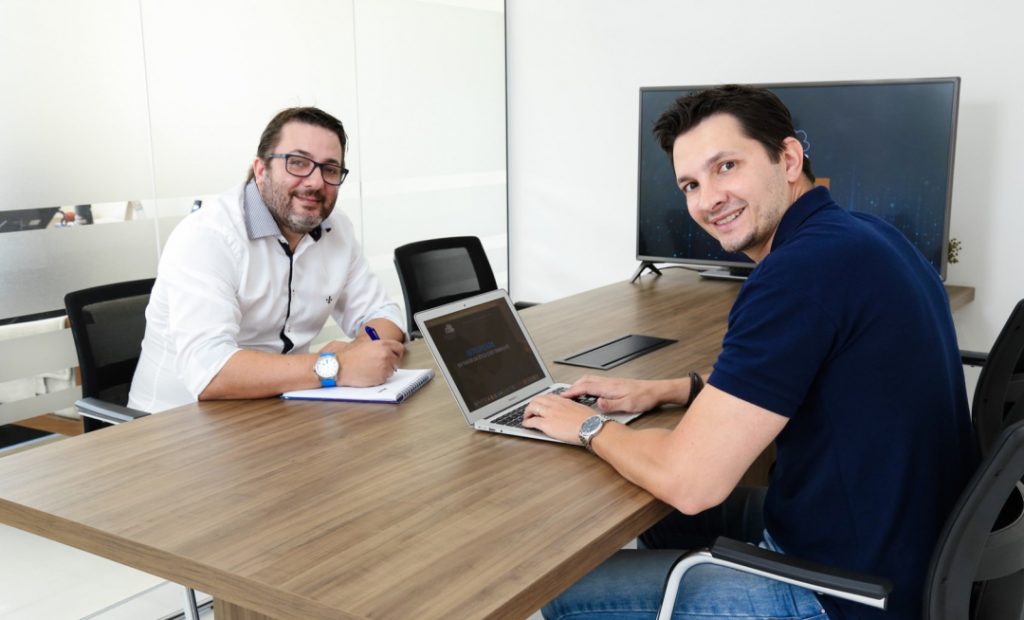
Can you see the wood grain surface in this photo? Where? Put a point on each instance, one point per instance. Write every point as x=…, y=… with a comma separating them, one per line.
x=302, y=509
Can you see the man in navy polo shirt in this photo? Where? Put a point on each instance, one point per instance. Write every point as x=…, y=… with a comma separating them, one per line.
x=840, y=349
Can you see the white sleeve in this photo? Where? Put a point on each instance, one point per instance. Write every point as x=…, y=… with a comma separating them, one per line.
x=363, y=297
x=201, y=270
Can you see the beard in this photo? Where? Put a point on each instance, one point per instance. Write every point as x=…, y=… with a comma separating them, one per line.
x=766, y=219
x=741, y=244
x=279, y=200
x=755, y=236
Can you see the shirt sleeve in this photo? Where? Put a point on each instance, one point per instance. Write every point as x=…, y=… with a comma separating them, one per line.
x=200, y=269
x=364, y=297
x=777, y=341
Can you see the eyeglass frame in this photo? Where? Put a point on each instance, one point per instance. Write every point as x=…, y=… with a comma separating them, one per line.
x=316, y=164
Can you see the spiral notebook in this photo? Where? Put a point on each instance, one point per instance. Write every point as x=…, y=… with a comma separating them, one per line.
x=399, y=387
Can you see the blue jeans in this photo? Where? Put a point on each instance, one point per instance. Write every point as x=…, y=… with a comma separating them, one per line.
x=629, y=585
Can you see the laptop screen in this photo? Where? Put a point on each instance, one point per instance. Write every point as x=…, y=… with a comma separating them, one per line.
x=486, y=353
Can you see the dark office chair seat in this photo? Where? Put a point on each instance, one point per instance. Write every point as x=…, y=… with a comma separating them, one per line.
x=108, y=323
x=439, y=271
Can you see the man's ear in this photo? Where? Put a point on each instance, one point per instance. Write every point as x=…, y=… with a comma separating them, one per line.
x=793, y=157
x=259, y=169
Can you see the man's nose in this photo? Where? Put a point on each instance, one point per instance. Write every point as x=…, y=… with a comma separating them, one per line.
x=314, y=180
x=712, y=197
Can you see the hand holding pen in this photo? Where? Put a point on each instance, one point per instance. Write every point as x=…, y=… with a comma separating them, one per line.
x=366, y=362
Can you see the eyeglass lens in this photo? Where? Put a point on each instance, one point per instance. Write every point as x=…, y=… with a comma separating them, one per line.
x=303, y=167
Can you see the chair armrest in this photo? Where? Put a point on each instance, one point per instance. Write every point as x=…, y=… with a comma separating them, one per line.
x=812, y=573
x=107, y=412
x=973, y=358
x=823, y=579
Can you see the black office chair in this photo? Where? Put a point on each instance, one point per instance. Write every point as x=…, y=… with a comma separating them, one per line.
x=108, y=323
x=977, y=569
x=439, y=271
x=999, y=395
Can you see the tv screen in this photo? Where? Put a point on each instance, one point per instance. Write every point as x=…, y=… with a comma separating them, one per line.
x=881, y=147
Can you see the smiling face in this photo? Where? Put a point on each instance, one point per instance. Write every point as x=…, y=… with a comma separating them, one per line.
x=733, y=188
x=299, y=204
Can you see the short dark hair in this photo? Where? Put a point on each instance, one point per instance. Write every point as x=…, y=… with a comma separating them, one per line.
x=761, y=114
x=308, y=115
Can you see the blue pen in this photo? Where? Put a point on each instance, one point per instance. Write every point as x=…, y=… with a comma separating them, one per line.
x=372, y=333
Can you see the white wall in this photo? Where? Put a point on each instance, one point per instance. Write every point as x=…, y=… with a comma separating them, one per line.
x=575, y=67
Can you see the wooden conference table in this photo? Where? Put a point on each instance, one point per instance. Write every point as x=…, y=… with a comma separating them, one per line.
x=288, y=509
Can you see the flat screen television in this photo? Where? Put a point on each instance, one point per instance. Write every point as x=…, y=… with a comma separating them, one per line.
x=882, y=147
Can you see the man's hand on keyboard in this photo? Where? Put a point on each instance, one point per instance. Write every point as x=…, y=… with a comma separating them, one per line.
x=633, y=395
x=556, y=417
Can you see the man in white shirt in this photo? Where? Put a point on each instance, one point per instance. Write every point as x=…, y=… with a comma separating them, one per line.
x=247, y=282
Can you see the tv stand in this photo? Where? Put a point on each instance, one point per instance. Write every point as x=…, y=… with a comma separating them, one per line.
x=727, y=273
x=644, y=266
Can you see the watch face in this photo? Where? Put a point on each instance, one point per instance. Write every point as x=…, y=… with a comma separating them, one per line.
x=326, y=367
x=590, y=425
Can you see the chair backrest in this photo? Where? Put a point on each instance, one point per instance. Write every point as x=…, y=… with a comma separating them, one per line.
x=982, y=542
x=108, y=323
x=438, y=271
x=999, y=395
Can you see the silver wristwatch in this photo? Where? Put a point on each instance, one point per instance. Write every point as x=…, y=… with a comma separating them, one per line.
x=590, y=428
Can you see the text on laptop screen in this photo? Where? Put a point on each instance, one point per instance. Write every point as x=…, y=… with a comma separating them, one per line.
x=485, y=352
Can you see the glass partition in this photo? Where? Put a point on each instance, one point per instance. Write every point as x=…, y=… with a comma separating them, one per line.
x=128, y=111
x=75, y=150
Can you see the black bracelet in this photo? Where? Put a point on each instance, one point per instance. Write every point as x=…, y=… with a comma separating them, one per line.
x=696, y=385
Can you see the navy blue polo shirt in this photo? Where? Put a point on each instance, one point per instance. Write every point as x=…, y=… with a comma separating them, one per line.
x=845, y=329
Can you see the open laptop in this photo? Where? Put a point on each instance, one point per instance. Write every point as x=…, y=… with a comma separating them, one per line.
x=490, y=363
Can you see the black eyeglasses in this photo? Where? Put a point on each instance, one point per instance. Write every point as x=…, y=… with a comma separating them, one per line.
x=302, y=166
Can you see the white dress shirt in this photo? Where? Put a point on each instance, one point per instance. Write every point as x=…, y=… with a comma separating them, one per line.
x=226, y=282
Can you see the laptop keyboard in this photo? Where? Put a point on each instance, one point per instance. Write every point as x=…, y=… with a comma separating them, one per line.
x=514, y=418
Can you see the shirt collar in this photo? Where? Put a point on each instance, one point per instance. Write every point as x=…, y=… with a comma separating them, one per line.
x=805, y=206
x=259, y=221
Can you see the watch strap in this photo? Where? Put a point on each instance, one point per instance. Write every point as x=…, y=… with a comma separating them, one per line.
x=696, y=385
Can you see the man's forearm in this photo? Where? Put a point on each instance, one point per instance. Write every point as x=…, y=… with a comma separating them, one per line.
x=646, y=458
x=256, y=374
x=696, y=465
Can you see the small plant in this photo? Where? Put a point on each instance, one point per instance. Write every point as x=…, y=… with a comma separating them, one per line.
x=953, y=251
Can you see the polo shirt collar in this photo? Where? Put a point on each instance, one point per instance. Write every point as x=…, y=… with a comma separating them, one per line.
x=259, y=221
x=805, y=206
